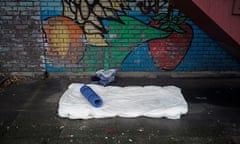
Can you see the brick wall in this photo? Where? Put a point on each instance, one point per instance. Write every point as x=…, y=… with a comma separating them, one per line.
x=72, y=36
x=21, y=40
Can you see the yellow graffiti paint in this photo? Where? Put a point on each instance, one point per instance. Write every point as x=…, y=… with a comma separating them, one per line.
x=60, y=46
x=56, y=37
x=96, y=39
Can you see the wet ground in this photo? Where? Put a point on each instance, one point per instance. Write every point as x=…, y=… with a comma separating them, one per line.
x=28, y=115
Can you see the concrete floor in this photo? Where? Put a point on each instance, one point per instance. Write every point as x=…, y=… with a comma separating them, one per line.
x=28, y=115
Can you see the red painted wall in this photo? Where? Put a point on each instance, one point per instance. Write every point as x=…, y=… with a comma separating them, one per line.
x=221, y=12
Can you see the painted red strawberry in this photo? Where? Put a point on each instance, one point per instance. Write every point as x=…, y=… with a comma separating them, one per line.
x=167, y=53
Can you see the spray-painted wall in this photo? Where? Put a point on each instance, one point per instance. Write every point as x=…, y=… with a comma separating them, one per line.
x=87, y=35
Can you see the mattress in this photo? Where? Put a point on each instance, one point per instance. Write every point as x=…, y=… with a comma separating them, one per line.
x=129, y=101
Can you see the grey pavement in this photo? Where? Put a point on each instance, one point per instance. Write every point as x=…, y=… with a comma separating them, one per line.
x=28, y=115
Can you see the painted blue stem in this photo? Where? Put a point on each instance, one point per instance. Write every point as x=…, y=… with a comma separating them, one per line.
x=91, y=96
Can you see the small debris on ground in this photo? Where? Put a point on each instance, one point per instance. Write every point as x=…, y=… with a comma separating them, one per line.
x=61, y=127
x=140, y=129
x=130, y=140
x=7, y=80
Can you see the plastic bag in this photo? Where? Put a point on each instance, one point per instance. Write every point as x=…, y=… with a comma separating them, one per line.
x=106, y=76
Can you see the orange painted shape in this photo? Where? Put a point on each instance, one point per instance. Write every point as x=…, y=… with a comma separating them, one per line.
x=64, y=38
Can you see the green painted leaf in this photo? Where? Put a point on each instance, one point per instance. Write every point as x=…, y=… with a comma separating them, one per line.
x=177, y=28
x=160, y=16
x=174, y=20
x=180, y=19
x=165, y=25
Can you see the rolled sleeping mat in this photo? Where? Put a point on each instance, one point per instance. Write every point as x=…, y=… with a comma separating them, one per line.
x=91, y=96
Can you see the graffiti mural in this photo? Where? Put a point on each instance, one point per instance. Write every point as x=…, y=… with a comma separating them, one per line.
x=137, y=35
x=80, y=28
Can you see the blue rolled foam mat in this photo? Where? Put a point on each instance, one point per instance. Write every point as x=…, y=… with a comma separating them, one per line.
x=91, y=96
